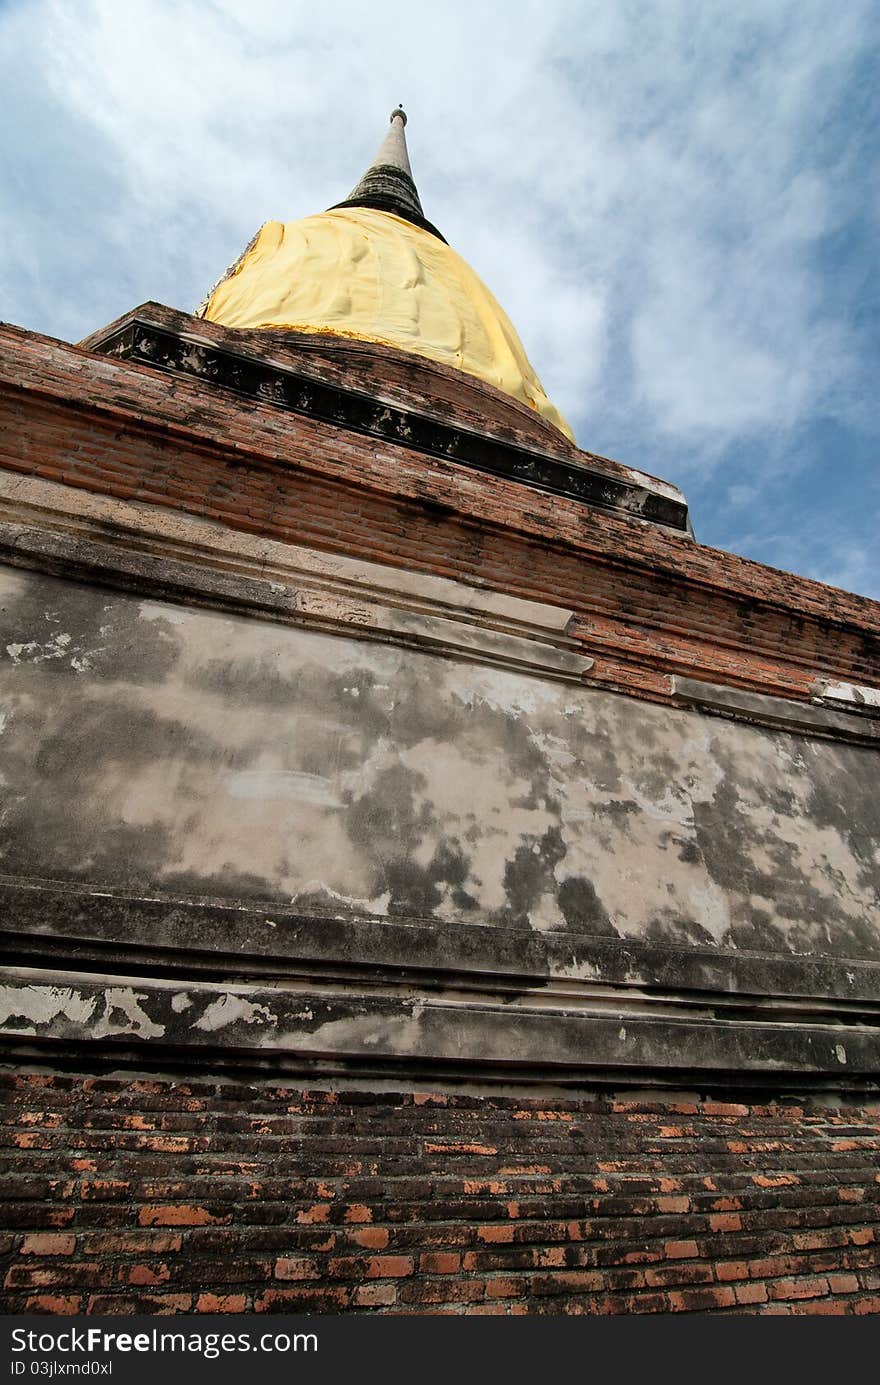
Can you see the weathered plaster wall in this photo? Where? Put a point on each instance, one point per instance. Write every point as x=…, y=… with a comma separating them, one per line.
x=149, y=745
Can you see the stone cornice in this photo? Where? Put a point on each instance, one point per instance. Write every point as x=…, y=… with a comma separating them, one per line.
x=185, y=352
x=251, y=983
x=837, y=719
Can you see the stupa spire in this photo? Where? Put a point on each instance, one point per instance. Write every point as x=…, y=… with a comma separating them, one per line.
x=388, y=184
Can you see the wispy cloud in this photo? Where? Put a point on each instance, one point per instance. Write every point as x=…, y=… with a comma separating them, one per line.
x=674, y=201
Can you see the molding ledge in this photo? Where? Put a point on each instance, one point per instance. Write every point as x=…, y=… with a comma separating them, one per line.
x=59, y=529
x=178, y=343
x=489, y=1032
x=263, y=983
x=824, y=720
x=847, y=697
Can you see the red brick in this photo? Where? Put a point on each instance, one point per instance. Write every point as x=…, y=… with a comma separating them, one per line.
x=822, y=1307
x=144, y=1275
x=681, y=1250
x=451, y=1148
x=62, y=1304
x=371, y=1237
x=221, y=1303
x=677, y=1273
x=496, y=1235
x=818, y=1240
x=751, y=1293
x=300, y=1267
x=106, y=1189
x=375, y=1295
x=725, y=1221
x=304, y=1299
x=357, y=1213
x=504, y=1288
x=700, y=1300
x=389, y=1266
x=51, y=1244
x=843, y=1283
x=164, y=1305
x=134, y=1242
x=31, y=1139
x=314, y=1215
x=767, y=1268
x=178, y=1214
x=433, y=1291
x=798, y=1288
x=552, y=1255
x=439, y=1262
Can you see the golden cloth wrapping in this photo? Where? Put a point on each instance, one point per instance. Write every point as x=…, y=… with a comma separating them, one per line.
x=357, y=272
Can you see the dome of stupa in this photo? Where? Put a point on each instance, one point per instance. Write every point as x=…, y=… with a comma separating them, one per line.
x=373, y=269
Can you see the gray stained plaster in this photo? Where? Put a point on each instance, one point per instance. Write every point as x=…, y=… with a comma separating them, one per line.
x=150, y=746
x=437, y=1028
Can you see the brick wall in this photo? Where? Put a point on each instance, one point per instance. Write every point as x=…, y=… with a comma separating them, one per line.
x=649, y=604
x=154, y=1194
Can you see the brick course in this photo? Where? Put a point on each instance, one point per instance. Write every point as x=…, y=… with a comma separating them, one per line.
x=276, y=1198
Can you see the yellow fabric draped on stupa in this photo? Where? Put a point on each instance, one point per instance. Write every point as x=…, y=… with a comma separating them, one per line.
x=371, y=275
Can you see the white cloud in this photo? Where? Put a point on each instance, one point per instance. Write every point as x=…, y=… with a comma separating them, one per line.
x=643, y=144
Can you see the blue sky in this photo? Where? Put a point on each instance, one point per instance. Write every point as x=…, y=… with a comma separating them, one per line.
x=676, y=201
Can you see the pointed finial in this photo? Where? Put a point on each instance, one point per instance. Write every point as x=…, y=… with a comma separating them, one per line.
x=388, y=183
